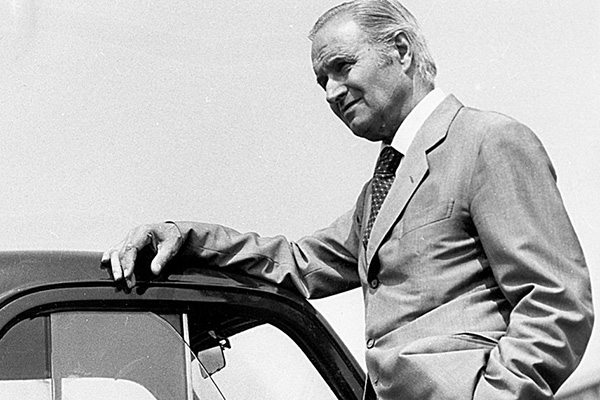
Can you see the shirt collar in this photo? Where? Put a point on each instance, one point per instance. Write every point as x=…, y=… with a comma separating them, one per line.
x=415, y=119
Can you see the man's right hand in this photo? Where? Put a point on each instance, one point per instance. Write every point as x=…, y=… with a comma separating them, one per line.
x=164, y=237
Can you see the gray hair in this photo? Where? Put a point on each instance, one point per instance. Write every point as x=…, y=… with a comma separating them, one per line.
x=382, y=21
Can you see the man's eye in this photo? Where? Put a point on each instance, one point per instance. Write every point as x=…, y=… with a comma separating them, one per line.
x=341, y=67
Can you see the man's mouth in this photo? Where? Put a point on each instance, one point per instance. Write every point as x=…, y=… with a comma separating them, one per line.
x=347, y=106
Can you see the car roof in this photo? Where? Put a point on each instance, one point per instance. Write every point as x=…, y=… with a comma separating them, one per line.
x=25, y=270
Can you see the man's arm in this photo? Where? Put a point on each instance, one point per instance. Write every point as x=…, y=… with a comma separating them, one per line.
x=538, y=263
x=319, y=265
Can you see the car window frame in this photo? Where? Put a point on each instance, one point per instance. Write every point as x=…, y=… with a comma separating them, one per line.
x=298, y=320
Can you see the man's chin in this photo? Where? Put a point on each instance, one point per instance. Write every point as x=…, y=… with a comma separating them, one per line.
x=372, y=139
x=369, y=134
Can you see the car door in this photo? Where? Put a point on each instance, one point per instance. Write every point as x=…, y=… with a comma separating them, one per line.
x=169, y=340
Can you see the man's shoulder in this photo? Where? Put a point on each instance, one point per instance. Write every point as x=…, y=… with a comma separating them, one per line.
x=491, y=132
x=475, y=117
x=490, y=125
x=471, y=119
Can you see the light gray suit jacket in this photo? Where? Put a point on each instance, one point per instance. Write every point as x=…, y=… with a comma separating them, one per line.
x=474, y=283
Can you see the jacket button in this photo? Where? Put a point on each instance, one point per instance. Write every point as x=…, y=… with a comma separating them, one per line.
x=370, y=343
x=374, y=283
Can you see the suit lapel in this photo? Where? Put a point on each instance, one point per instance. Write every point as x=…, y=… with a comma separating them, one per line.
x=412, y=171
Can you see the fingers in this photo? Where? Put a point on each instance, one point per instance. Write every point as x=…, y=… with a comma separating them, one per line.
x=166, y=251
x=127, y=260
x=122, y=256
x=128, y=252
x=165, y=238
x=106, y=256
x=167, y=245
x=115, y=264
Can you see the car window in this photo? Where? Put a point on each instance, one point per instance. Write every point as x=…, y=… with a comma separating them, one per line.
x=264, y=363
x=100, y=355
x=24, y=361
x=23, y=352
x=141, y=355
x=133, y=355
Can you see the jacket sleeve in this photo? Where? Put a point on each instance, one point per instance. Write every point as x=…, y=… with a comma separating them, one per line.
x=319, y=265
x=538, y=263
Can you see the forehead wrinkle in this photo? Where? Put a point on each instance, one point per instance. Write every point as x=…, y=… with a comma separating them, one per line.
x=345, y=39
x=328, y=54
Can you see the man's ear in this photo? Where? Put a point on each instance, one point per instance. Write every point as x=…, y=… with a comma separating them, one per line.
x=404, y=49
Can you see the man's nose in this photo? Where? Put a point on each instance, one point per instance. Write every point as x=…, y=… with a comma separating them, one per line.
x=335, y=91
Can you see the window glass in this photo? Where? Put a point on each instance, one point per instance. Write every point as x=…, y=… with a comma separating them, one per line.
x=264, y=363
x=143, y=356
x=118, y=355
x=23, y=351
x=24, y=364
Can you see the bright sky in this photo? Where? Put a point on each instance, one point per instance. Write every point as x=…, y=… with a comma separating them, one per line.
x=119, y=113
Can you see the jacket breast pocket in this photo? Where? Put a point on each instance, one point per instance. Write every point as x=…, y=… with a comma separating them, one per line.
x=416, y=218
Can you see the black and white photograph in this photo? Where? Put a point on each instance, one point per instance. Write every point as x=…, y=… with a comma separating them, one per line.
x=371, y=199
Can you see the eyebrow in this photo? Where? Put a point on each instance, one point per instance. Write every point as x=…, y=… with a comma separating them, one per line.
x=338, y=58
x=330, y=61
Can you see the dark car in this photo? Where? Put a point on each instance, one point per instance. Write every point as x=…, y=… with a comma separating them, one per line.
x=68, y=331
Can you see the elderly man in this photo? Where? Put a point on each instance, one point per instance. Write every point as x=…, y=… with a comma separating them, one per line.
x=474, y=283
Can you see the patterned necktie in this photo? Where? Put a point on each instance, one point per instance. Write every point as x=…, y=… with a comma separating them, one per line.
x=384, y=175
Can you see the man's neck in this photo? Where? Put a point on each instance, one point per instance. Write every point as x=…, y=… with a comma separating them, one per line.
x=419, y=91
x=415, y=119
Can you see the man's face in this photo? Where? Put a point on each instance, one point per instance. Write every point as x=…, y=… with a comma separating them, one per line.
x=364, y=89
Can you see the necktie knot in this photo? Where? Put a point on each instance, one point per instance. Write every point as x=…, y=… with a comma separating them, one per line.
x=388, y=161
